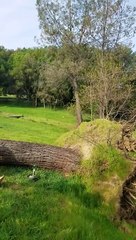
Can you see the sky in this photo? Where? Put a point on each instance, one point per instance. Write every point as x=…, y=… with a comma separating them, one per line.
x=19, y=23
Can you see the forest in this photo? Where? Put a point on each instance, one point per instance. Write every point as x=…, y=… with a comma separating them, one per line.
x=85, y=60
x=106, y=84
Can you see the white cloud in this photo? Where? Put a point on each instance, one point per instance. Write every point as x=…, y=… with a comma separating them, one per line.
x=18, y=23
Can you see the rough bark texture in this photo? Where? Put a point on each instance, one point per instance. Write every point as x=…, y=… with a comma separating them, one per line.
x=45, y=156
x=128, y=198
x=78, y=106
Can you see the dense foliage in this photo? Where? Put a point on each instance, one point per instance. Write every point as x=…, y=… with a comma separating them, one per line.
x=106, y=84
x=86, y=60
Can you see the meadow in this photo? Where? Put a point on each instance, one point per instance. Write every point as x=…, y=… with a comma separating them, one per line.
x=37, y=124
x=55, y=207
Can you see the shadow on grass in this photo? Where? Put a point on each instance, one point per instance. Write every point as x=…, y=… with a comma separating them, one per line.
x=24, y=103
x=52, y=181
x=73, y=187
x=13, y=102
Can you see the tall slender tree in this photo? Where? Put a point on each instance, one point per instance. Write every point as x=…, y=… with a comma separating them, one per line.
x=103, y=23
x=100, y=23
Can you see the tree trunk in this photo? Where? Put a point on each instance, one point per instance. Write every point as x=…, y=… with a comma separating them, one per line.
x=36, y=101
x=44, y=156
x=44, y=103
x=78, y=107
x=101, y=111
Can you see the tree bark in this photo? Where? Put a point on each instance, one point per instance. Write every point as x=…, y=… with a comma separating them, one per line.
x=44, y=156
x=128, y=198
x=36, y=101
x=44, y=103
x=78, y=107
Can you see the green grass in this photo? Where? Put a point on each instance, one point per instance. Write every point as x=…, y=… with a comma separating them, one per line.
x=52, y=208
x=55, y=207
x=38, y=124
x=107, y=161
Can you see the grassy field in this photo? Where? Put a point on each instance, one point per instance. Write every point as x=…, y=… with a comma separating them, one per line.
x=38, y=125
x=55, y=207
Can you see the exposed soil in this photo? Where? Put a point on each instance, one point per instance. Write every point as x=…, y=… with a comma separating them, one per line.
x=128, y=198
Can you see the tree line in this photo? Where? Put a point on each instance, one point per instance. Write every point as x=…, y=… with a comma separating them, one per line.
x=86, y=59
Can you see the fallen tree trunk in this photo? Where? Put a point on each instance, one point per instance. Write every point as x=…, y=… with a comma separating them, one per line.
x=44, y=156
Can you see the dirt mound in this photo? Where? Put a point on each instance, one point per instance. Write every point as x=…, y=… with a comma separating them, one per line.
x=89, y=134
x=104, y=164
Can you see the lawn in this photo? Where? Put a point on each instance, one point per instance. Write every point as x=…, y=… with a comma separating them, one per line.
x=37, y=125
x=54, y=207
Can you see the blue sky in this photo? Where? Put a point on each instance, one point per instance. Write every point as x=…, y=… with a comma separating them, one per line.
x=19, y=23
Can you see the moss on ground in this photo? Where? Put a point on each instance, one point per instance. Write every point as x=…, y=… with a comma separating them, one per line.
x=90, y=134
x=103, y=167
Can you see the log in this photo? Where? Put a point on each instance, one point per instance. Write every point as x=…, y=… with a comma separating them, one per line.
x=44, y=156
x=16, y=116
